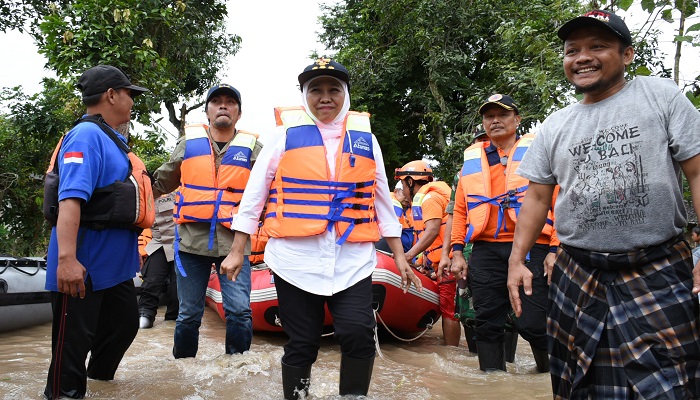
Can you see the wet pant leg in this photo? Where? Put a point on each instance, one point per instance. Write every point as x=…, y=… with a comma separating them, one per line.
x=302, y=314
x=236, y=302
x=488, y=275
x=116, y=329
x=191, y=291
x=532, y=323
x=353, y=319
x=155, y=273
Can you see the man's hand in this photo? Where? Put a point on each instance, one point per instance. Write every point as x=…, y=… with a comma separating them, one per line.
x=70, y=275
x=518, y=275
x=459, y=265
x=549, y=266
x=232, y=265
x=696, y=278
x=443, y=270
x=407, y=275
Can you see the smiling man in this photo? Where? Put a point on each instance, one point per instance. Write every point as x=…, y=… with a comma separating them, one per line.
x=487, y=200
x=623, y=322
x=210, y=168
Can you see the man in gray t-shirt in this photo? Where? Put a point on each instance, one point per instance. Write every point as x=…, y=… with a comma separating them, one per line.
x=623, y=319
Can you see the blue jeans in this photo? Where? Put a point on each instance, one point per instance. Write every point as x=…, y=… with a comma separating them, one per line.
x=191, y=291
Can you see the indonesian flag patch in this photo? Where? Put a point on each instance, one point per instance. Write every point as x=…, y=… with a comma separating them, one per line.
x=75, y=157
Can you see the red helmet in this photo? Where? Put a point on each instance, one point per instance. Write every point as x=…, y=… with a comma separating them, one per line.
x=419, y=170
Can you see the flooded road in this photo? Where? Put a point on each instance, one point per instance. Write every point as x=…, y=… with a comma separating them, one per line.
x=423, y=369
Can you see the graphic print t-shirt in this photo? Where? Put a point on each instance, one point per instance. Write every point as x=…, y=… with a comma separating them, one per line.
x=617, y=164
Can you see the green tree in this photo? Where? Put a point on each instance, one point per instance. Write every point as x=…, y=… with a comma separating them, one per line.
x=174, y=48
x=28, y=133
x=423, y=67
x=23, y=14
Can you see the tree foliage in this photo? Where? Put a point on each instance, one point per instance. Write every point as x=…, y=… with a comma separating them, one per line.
x=19, y=14
x=28, y=133
x=423, y=67
x=174, y=48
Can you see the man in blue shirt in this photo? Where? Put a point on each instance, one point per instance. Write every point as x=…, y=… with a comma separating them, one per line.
x=90, y=268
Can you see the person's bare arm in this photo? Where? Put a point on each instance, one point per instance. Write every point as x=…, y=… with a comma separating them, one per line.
x=70, y=273
x=531, y=220
x=691, y=169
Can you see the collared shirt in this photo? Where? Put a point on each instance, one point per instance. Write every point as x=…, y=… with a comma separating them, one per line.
x=316, y=263
x=194, y=236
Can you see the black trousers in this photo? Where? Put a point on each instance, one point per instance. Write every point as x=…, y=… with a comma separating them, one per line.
x=302, y=315
x=104, y=324
x=488, y=276
x=158, y=278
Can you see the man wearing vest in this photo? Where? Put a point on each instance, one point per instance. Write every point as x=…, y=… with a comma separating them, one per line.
x=158, y=271
x=90, y=266
x=403, y=212
x=211, y=166
x=429, y=201
x=487, y=203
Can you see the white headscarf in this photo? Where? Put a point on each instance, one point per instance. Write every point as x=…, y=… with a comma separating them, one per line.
x=333, y=129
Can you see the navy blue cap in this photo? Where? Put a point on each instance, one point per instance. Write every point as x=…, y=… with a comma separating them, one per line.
x=101, y=78
x=602, y=18
x=324, y=66
x=501, y=100
x=223, y=88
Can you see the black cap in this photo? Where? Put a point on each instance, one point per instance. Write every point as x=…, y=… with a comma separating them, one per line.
x=602, y=18
x=223, y=88
x=479, y=134
x=101, y=78
x=502, y=100
x=324, y=66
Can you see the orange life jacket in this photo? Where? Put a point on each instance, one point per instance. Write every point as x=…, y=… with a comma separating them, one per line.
x=145, y=237
x=205, y=195
x=434, y=189
x=258, y=241
x=400, y=212
x=475, y=178
x=304, y=201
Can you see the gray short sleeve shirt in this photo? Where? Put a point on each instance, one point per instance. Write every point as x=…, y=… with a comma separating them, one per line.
x=617, y=162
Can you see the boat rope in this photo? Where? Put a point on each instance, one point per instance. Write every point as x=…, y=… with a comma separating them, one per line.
x=428, y=326
x=18, y=266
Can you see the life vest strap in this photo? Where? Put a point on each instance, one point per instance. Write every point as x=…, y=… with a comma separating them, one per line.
x=198, y=187
x=314, y=182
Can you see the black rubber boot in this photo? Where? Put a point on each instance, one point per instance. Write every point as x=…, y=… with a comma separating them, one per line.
x=295, y=381
x=541, y=359
x=355, y=375
x=491, y=356
x=511, y=342
x=469, y=336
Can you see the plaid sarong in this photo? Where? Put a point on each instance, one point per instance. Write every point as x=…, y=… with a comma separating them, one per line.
x=624, y=326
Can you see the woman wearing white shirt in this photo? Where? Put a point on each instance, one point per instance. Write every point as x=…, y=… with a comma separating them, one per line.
x=322, y=224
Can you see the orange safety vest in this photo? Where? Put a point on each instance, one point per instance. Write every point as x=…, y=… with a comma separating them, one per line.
x=475, y=178
x=400, y=212
x=205, y=195
x=258, y=241
x=304, y=201
x=145, y=237
x=434, y=189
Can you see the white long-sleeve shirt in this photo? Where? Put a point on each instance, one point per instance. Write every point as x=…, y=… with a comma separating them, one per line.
x=316, y=263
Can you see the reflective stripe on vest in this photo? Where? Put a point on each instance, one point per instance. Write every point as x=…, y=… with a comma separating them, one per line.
x=304, y=201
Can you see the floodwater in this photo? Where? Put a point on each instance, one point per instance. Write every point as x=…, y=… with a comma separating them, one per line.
x=422, y=369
